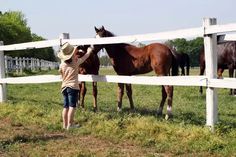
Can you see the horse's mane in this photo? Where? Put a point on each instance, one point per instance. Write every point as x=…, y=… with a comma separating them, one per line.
x=110, y=34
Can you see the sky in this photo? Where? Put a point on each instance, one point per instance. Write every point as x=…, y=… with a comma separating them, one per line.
x=50, y=18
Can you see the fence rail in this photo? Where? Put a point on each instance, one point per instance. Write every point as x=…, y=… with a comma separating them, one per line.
x=181, y=33
x=144, y=80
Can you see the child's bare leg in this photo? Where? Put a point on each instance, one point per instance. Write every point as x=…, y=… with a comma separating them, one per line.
x=65, y=117
x=70, y=119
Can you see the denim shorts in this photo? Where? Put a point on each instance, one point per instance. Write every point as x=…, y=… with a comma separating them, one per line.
x=70, y=97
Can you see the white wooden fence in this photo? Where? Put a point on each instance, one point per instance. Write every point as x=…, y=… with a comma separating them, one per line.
x=18, y=64
x=209, y=31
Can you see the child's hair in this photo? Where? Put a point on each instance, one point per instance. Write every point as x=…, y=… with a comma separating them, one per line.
x=68, y=61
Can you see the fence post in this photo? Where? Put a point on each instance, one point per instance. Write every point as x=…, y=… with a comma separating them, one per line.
x=6, y=64
x=64, y=36
x=3, y=95
x=23, y=63
x=20, y=65
x=211, y=72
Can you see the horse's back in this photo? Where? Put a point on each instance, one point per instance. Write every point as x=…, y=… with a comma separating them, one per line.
x=159, y=50
x=161, y=58
x=227, y=53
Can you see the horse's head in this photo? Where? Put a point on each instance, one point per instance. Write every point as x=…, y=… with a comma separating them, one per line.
x=100, y=33
x=82, y=49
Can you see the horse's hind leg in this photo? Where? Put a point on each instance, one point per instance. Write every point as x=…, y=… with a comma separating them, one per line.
x=231, y=75
x=234, y=91
x=83, y=91
x=187, y=70
x=129, y=94
x=202, y=69
x=163, y=99
x=169, y=92
x=119, y=96
x=95, y=92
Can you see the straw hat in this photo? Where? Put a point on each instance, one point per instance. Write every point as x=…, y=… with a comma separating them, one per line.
x=66, y=51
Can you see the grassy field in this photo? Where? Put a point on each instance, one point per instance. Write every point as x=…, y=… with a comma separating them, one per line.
x=30, y=123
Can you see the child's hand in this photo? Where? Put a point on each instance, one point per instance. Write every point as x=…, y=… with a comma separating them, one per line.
x=89, y=50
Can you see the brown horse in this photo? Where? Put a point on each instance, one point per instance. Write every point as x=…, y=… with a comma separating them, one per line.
x=131, y=60
x=183, y=61
x=89, y=66
x=226, y=59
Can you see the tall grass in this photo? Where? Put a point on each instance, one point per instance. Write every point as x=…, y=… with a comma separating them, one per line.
x=31, y=123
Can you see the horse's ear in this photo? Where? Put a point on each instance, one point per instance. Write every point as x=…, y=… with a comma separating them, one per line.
x=96, y=29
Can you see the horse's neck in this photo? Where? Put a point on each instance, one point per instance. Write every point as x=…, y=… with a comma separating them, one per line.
x=115, y=50
x=175, y=54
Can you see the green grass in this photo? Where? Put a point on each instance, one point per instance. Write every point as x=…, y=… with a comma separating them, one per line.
x=30, y=123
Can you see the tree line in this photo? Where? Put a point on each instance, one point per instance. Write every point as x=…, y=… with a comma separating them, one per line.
x=14, y=29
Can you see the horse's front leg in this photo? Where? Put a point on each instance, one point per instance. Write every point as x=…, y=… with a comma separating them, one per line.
x=163, y=99
x=83, y=91
x=119, y=96
x=182, y=70
x=129, y=94
x=95, y=92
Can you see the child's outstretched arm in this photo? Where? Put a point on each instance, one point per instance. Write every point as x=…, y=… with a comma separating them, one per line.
x=84, y=57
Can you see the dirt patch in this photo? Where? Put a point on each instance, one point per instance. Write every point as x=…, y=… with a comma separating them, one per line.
x=102, y=147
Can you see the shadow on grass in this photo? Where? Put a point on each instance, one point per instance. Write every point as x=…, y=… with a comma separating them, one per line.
x=28, y=139
x=191, y=118
x=186, y=118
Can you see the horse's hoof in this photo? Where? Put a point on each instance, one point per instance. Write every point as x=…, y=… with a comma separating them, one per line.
x=132, y=110
x=168, y=116
x=119, y=109
x=159, y=113
x=95, y=109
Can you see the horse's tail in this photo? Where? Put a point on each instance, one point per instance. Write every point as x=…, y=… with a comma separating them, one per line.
x=174, y=64
x=187, y=59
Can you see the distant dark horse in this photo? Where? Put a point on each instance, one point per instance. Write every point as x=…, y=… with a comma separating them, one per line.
x=226, y=58
x=90, y=66
x=131, y=60
x=183, y=61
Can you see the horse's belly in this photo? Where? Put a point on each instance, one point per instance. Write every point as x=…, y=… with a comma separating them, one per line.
x=142, y=70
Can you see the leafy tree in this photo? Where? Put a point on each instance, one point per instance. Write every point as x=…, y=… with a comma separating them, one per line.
x=14, y=29
x=194, y=47
x=43, y=53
